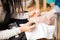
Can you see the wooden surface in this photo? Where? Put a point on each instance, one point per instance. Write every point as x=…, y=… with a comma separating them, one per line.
x=44, y=5
x=37, y=4
x=58, y=29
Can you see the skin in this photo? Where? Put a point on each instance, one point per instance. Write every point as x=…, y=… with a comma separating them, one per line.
x=27, y=27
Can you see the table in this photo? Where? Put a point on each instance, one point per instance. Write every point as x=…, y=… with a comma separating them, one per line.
x=58, y=24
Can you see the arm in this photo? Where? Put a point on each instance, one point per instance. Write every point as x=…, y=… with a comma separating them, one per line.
x=6, y=34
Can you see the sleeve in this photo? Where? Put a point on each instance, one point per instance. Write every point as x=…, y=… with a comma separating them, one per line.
x=6, y=34
x=26, y=15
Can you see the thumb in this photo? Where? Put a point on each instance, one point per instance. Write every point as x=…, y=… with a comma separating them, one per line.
x=32, y=27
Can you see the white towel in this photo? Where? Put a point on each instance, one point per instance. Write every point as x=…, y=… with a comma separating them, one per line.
x=41, y=31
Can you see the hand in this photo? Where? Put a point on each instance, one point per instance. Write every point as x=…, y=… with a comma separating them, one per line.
x=34, y=13
x=50, y=18
x=27, y=27
x=31, y=13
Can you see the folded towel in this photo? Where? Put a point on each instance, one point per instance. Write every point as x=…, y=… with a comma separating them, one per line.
x=42, y=30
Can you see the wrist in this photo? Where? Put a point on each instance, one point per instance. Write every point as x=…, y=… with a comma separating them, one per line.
x=21, y=29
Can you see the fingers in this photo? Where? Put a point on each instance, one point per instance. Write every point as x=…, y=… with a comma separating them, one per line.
x=31, y=28
x=32, y=13
x=52, y=20
x=29, y=23
x=37, y=10
x=28, y=28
